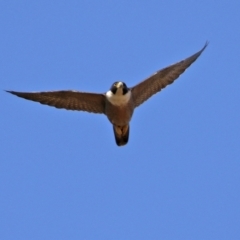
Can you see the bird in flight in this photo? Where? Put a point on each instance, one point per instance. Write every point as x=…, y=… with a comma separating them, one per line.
x=119, y=103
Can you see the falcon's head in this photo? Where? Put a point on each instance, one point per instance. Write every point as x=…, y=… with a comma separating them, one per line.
x=119, y=94
x=119, y=88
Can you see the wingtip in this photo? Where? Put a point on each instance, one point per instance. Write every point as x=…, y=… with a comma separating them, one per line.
x=8, y=91
x=13, y=93
x=205, y=45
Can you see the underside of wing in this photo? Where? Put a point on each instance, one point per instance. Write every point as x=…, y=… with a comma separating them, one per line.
x=145, y=89
x=70, y=100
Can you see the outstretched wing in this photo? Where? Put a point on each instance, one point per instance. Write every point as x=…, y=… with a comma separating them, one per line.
x=145, y=89
x=70, y=100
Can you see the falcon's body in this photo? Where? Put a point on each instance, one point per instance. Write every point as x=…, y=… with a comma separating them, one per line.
x=119, y=105
x=119, y=102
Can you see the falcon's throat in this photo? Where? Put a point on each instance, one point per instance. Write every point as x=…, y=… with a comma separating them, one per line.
x=118, y=94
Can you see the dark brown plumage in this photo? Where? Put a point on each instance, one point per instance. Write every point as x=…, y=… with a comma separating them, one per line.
x=155, y=83
x=70, y=100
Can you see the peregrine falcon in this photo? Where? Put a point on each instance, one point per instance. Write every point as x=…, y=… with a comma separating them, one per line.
x=119, y=102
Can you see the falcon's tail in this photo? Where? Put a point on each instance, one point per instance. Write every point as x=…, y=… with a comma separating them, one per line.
x=121, y=134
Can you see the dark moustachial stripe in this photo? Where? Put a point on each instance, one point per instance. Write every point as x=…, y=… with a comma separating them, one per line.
x=125, y=90
x=114, y=89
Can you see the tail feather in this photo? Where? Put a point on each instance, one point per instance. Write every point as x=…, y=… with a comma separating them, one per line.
x=121, y=134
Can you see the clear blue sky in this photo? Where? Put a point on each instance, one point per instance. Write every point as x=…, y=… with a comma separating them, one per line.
x=62, y=175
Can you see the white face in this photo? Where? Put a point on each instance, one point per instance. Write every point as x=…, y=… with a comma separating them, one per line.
x=118, y=98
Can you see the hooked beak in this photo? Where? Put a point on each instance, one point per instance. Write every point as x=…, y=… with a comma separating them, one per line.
x=119, y=85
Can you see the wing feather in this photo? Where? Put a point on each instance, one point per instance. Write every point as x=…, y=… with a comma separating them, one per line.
x=70, y=100
x=150, y=86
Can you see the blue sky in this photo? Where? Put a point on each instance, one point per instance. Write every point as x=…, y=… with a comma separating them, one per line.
x=62, y=175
